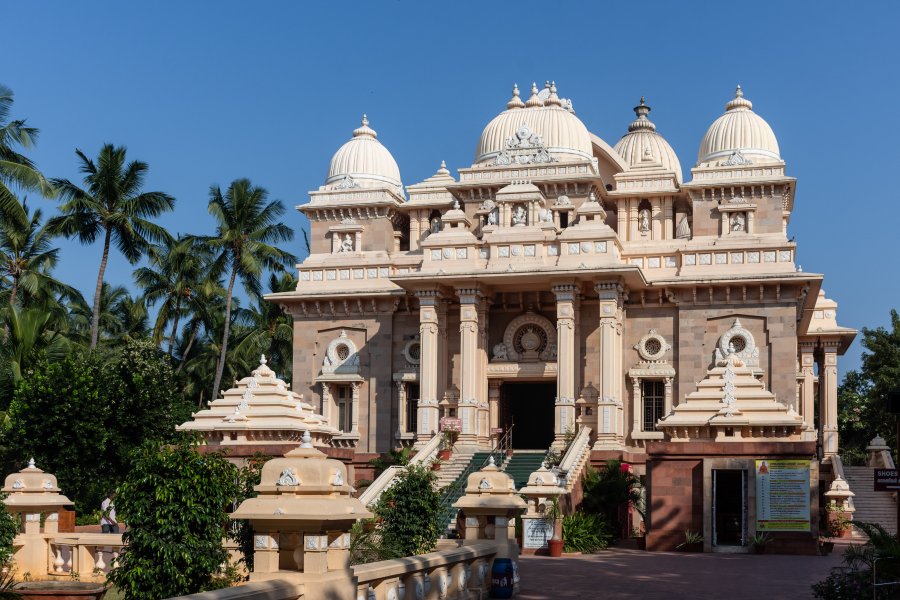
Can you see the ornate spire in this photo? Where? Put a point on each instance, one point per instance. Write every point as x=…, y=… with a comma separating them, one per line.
x=534, y=101
x=553, y=99
x=515, y=101
x=443, y=170
x=642, y=122
x=365, y=130
x=739, y=101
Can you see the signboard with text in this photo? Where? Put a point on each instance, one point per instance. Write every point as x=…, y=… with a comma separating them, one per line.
x=782, y=495
x=536, y=532
x=887, y=480
x=451, y=424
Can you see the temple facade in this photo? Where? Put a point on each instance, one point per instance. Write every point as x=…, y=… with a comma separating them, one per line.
x=560, y=281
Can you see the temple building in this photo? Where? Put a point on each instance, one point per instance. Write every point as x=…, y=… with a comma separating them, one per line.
x=560, y=282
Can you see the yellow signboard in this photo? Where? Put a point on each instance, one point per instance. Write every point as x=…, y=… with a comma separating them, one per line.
x=782, y=495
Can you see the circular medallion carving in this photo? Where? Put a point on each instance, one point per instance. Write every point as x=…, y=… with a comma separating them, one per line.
x=412, y=352
x=530, y=337
x=652, y=346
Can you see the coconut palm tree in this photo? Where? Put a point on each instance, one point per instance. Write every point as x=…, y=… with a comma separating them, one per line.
x=269, y=330
x=246, y=227
x=119, y=312
x=16, y=170
x=175, y=274
x=27, y=255
x=113, y=206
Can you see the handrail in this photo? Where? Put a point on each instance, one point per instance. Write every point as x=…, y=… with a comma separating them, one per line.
x=576, y=450
x=427, y=453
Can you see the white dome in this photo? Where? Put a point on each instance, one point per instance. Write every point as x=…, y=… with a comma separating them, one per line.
x=550, y=124
x=740, y=136
x=643, y=147
x=363, y=162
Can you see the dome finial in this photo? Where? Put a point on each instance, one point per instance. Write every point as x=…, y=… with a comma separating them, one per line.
x=739, y=102
x=535, y=100
x=364, y=129
x=642, y=122
x=553, y=98
x=443, y=170
x=515, y=101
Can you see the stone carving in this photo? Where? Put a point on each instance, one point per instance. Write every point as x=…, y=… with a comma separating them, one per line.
x=47, y=484
x=737, y=158
x=347, y=183
x=18, y=484
x=244, y=406
x=524, y=147
x=738, y=222
x=436, y=224
x=260, y=541
x=485, y=484
x=519, y=217
x=739, y=341
x=338, y=478
x=530, y=337
x=546, y=215
x=346, y=244
x=644, y=220
x=683, y=230
x=341, y=356
x=348, y=221
x=652, y=347
x=492, y=217
x=288, y=478
x=563, y=201
x=499, y=352
x=729, y=388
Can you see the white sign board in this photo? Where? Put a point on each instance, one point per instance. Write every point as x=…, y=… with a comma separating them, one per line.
x=536, y=532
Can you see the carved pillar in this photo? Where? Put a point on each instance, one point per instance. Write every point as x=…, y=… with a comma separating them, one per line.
x=610, y=416
x=828, y=397
x=443, y=361
x=656, y=224
x=807, y=407
x=668, y=219
x=415, y=230
x=401, y=408
x=622, y=219
x=354, y=407
x=566, y=360
x=494, y=403
x=633, y=219
x=483, y=416
x=429, y=324
x=470, y=301
x=327, y=401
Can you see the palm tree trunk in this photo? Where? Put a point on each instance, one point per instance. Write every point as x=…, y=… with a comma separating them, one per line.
x=221, y=366
x=98, y=291
x=187, y=350
x=14, y=291
x=174, y=325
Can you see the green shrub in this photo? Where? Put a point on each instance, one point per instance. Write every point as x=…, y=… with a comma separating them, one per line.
x=367, y=544
x=9, y=527
x=609, y=491
x=410, y=512
x=586, y=533
x=855, y=580
x=176, y=503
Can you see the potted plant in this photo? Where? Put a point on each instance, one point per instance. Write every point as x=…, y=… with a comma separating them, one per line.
x=448, y=439
x=839, y=526
x=554, y=514
x=759, y=542
x=693, y=542
x=826, y=545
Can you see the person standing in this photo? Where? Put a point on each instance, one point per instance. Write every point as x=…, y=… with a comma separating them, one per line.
x=108, y=523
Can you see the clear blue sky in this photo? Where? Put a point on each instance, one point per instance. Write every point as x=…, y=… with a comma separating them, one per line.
x=207, y=92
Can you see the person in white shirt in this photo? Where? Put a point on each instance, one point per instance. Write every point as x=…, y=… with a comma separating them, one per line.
x=108, y=523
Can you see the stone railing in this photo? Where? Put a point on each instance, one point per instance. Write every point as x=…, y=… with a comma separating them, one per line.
x=428, y=452
x=574, y=459
x=81, y=556
x=273, y=589
x=462, y=572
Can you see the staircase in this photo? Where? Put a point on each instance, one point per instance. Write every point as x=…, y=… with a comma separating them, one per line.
x=456, y=488
x=522, y=464
x=451, y=469
x=871, y=506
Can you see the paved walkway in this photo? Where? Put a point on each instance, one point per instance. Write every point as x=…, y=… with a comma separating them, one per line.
x=625, y=574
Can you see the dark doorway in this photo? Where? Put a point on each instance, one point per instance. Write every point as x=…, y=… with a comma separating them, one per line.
x=530, y=407
x=729, y=495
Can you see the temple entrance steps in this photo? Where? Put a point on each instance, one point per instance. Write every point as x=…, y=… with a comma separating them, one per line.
x=451, y=469
x=523, y=463
x=871, y=506
x=456, y=488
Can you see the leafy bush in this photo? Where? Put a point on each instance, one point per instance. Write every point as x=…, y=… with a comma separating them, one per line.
x=176, y=502
x=367, y=544
x=241, y=530
x=609, y=491
x=394, y=457
x=855, y=580
x=844, y=584
x=8, y=530
x=410, y=512
x=586, y=533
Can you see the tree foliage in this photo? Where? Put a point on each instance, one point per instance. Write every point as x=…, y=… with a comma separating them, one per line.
x=176, y=502
x=81, y=416
x=8, y=530
x=410, y=512
x=610, y=491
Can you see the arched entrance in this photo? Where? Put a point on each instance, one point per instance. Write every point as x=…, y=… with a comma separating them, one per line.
x=528, y=405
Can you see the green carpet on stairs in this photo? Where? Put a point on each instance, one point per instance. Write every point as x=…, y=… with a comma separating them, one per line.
x=455, y=490
x=523, y=464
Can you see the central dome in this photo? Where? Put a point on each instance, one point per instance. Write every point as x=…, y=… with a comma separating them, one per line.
x=739, y=137
x=543, y=129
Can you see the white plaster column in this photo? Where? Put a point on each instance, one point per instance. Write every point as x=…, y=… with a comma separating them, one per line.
x=638, y=405
x=668, y=219
x=633, y=219
x=443, y=364
x=327, y=402
x=828, y=397
x=470, y=300
x=354, y=407
x=807, y=408
x=610, y=415
x=401, y=407
x=483, y=417
x=415, y=230
x=656, y=224
x=566, y=360
x=494, y=404
x=622, y=219
x=427, y=409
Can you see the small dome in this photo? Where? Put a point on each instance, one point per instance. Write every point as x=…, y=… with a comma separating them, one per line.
x=644, y=147
x=740, y=136
x=363, y=162
x=544, y=120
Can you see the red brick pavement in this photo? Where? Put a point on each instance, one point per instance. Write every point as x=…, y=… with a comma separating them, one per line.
x=620, y=574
